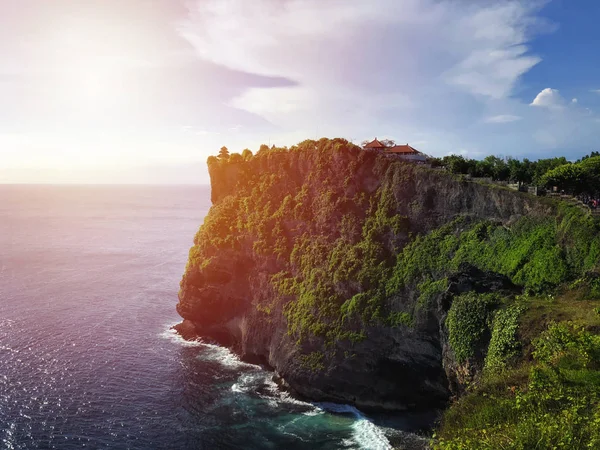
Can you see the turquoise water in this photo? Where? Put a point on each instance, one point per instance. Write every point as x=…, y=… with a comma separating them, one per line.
x=88, y=286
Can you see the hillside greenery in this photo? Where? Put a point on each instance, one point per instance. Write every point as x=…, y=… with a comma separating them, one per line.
x=581, y=177
x=345, y=257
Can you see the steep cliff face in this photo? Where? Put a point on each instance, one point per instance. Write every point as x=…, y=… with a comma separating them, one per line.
x=337, y=267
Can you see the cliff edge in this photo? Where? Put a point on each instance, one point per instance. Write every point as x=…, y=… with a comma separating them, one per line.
x=363, y=279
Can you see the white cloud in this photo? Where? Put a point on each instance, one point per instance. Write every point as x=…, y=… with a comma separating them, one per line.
x=549, y=98
x=434, y=70
x=281, y=101
x=597, y=91
x=574, y=100
x=503, y=118
x=374, y=56
x=492, y=72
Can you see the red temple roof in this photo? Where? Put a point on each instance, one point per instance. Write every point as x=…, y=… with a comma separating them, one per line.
x=404, y=149
x=375, y=144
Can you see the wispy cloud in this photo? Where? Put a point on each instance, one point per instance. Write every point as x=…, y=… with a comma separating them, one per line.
x=361, y=62
x=502, y=118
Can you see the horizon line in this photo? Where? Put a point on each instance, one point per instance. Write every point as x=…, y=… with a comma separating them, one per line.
x=101, y=184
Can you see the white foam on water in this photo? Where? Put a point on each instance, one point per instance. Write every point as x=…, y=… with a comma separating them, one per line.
x=314, y=412
x=369, y=436
x=237, y=388
x=285, y=397
x=294, y=435
x=224, y=356
x=173, y=336
x=365, y=433
x=246, y=382
x=214, y=352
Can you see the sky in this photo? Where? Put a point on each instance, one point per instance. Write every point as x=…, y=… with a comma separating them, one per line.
x=137, y=91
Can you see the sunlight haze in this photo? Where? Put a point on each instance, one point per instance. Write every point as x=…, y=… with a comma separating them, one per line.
x=114, y=91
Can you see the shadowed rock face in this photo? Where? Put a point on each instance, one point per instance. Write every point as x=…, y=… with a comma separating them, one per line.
x=227, y=294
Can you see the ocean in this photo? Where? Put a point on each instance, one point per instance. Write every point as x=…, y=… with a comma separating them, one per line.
x=88, y=286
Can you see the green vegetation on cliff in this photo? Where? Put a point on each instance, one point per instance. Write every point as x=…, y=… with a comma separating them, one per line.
x=349, y=243
x=550, y=402
x=574, y=178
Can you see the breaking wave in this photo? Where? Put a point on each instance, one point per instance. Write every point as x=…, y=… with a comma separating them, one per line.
x=365, y=434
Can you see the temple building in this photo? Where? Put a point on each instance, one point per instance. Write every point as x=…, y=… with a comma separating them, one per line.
x=375, y=145
x=403, y=151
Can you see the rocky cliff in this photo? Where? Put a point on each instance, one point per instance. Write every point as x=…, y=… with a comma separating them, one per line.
x=359, y=278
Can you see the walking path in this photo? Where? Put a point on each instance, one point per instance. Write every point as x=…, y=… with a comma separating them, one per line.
x=575, y=201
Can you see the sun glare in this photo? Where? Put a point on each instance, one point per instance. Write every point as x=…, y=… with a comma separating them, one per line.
x=91, y=64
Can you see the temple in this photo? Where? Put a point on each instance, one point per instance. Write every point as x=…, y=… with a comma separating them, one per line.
x=375, y=144
x=403, y=151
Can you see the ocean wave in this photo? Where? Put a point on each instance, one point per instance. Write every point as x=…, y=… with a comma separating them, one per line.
x=278, y=397
x=365, y=433
x=247, y=382
x=173, y=336
x=213, y=352
x=256, y=380
x=314, y=412
x=224, y=356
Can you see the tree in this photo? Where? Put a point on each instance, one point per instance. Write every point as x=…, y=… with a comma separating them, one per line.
x=388, y=142
x=527, y=168
x=591, y=167
x=515, y=168
x=456, y=164
x=568, y=177
x=545, y=165
x=484, y=169
x=235, y=158
x=591, y=155
x=247, y=154
x=223, y=153
x=498, y=168
x=520, y=171
x=436, y=162
x=578, y=178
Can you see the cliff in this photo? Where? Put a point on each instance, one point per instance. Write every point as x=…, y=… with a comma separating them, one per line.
x=363, y=279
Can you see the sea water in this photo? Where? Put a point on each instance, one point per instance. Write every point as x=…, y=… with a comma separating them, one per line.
x=88, y=285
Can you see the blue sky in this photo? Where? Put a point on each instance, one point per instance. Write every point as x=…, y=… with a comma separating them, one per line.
x=137, y=91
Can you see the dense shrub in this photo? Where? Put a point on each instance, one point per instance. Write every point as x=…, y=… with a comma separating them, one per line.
x=428, y=290
x=468, y=322
x=556, y=405
x=567, y=345
x=504, y=343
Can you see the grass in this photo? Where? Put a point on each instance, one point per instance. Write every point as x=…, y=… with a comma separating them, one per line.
x=565, y=305
x=549, y=398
